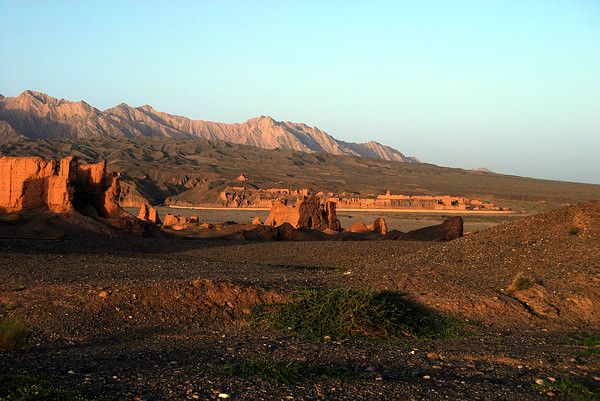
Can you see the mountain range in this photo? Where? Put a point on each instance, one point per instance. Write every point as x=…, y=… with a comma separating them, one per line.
x=34, y=115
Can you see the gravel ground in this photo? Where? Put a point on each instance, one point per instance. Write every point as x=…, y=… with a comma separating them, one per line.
x=152, y=319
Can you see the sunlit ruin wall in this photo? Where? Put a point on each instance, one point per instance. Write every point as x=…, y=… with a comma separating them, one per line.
x=31, y=183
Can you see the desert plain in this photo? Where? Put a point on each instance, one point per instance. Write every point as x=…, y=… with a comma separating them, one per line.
x=508, y=311
x=170, y=316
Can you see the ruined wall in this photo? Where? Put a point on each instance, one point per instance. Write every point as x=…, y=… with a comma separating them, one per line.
x=281, y=213
x=32, y=183
x=316, y=215
x=310, y=213
x=149, y=213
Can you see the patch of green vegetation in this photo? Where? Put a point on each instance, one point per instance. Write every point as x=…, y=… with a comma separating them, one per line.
x=589, y=342
x=574, y=230
x=343, y=314
x=288, y=371
x=13, y=334
x=32, y=388
x=570, y=389
x=303, y=267
x=522, y=283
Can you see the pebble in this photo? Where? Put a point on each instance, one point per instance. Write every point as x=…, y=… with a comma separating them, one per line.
x=426, y=377
x=539, y=381
x=223, y=395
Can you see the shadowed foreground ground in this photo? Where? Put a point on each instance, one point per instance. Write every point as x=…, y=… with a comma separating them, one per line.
x=159, y=318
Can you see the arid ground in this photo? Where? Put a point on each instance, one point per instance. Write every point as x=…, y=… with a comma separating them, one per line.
x=162, y=318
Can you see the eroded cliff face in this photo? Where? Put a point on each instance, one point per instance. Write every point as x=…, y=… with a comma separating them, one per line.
x=31, y=183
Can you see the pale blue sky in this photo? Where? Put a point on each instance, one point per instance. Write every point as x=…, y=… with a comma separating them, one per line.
x=513, y=86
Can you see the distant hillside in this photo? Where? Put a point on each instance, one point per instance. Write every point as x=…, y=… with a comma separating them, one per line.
x=196, y=171
x=36, y=115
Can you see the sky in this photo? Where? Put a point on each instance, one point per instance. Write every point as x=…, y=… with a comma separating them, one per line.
x=513, y=86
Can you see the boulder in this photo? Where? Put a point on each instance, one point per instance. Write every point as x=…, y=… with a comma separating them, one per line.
x=256, y=221
x=260, y=233
x=285, y=232
x=449, y=230
x=310, y=235
x=358, y=227
x=394, y=235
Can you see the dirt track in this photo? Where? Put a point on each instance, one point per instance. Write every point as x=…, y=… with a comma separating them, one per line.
x=154, y=318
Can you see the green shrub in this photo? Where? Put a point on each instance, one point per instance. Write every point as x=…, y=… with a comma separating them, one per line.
x=13, y=335
x=589, y=342
x=286, y=371
x=522, y=283
x=15, y=387
x=574, y=230
x=570, y=389
x=354, y=315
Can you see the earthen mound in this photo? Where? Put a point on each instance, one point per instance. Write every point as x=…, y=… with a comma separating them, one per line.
x=554, y=254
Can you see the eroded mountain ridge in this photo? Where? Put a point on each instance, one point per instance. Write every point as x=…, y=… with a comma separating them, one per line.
x=35, y=115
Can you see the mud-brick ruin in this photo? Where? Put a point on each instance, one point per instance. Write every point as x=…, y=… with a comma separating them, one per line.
x=242, y=196
x=31, y=183
x=310, y=213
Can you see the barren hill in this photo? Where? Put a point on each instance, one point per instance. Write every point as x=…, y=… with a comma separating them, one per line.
x=38, y=116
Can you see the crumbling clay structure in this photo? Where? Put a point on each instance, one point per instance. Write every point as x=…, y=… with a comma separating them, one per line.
x=30, y=183
x=149, y=213
x=282, y=213
x=311, y=214
x=379, y=226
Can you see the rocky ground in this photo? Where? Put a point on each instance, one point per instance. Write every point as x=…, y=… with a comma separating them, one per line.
x=152, y=319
